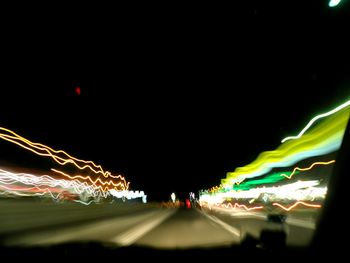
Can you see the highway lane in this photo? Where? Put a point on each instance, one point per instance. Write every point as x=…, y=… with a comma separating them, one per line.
x=31, y=223
x=300, y=225
x=20, y=215
x=189, y=228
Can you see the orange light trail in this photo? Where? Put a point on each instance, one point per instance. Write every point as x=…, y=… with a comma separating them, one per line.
x=308, y=168
x=116, y=185
x=214, y=188
x=241, y=206
x=11, y=179
x=44, y=150
x=47, y=149
x=239, y=182
x=296, y=204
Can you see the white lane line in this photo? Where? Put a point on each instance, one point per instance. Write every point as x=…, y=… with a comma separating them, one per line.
x=130, y=236
x=224, y=225
x=85, y=231
x=301, y=223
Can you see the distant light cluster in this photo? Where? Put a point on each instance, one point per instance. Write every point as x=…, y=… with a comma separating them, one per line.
x=323, y=139
x=82, y=187
x=263, y=183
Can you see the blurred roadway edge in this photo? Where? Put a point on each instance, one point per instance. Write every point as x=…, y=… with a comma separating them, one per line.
x=137, y=225
x=291, y=220
x=18, y=216
x=227, y=227
x=130, y=236
x=301, y=223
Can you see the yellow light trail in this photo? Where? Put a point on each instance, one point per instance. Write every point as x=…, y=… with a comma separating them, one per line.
x=324, y=138
x=308, y=168
x=214, y=188
x=47, y=149
x=44, y=150
x=116, y=185
x=312, y=121
x=296, y=204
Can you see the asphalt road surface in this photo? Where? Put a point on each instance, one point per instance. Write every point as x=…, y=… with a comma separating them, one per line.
x=39, y=223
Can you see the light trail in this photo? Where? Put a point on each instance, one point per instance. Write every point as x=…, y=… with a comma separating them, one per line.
x=306, y=169
x=29, y=191
x=273, y=178
x=25, y=184
x=296, y=204
x=269, y=179
x=300, y=191
x=323, y=139
x=312, y=121
x=236, y=205
x=65, y=158
x=116, y=185
x=49, y=183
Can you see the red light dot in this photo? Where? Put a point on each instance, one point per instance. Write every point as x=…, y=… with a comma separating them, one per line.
x=77, y=90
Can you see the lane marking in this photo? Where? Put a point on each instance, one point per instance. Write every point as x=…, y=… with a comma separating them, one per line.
x=132, y=235
x=301, y=223
x=77, y=232
x=251, y=215
x=224, y=225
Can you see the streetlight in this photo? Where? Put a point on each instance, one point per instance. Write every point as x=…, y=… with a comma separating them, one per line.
x=173, y=196
x=333, y=3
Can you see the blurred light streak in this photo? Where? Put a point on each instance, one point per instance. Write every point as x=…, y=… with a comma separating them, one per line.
x=323, y=139
x=25, y=184
x=47, y=182
x=11, y=193
x=127, y=194
x=312, y=121
x=301, y=190
x=116, y=185
x=65, y=158
x=236, y=205
x=333, y=3
x=269, y=179
x=306, y=169
x=296, y=204
x=30, y=179
x=31, y=191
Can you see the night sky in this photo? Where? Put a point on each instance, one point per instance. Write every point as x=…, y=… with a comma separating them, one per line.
x=175, y=99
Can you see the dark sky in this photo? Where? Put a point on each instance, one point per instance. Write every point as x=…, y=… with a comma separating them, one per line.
x=174, y=99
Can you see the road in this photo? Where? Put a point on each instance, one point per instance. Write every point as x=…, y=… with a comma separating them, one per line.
x=300, y=224
x=34, y=223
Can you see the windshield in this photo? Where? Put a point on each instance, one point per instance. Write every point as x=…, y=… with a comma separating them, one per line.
x=202, y=132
